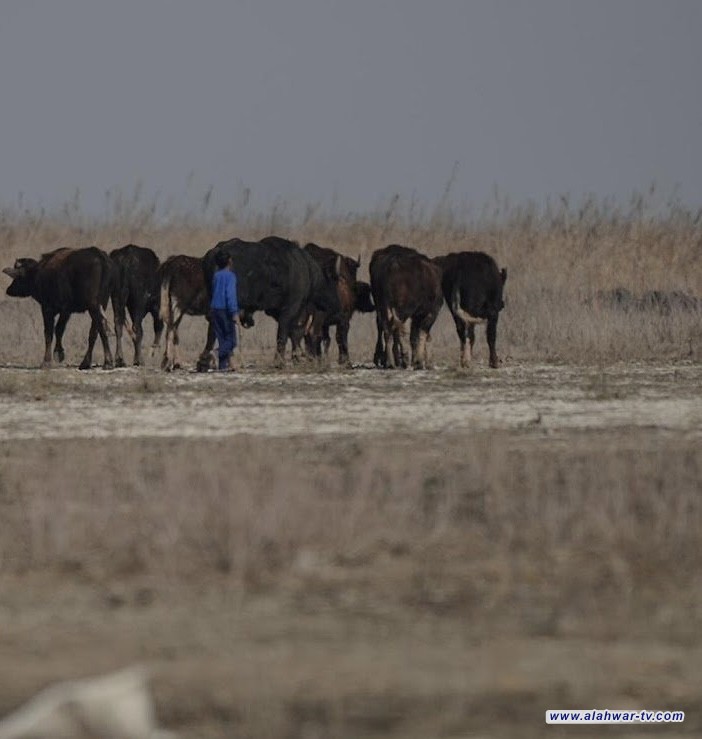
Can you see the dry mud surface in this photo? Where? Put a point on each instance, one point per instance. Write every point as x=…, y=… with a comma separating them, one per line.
x=65, y=403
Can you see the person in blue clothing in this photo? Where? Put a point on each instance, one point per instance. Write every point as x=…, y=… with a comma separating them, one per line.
x=224, y=310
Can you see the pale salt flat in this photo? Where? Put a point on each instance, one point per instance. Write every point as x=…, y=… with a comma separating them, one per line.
x=65, y=403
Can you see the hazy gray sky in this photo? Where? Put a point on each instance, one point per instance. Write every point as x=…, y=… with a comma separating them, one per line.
x=306, y=98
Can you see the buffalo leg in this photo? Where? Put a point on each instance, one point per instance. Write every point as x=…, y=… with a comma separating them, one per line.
x=107, y=362
x=296, y=336
x=466, y=335
x=311, y=345
x=317, y=335
x=398, y=345
x=418, y=344
x=422, y=348
x=59, y=354
x=342, y=340
x=174, y=318
x=379, y=357
x=120, y=318
x=390, y=345
x=205, y=360
x=92, y=335
x=491, y=340
x=158, y=330
x=137, y=320
x=286, y=322
x=48, y=316
x=176, y=345
x=97, y=326
x=166, y=359
x=414, y=343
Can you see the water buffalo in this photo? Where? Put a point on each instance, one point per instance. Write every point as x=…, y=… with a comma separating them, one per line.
x=63, y=282
x=278, y=277
x=353, y=295
x=135, y=289
x=405, y=285
x=472, y=286
x=182, y=292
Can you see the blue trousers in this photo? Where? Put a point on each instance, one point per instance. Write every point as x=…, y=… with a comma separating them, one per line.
x=223, y=323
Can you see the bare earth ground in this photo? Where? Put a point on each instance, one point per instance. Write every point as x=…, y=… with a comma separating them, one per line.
x=356, y=553
x=549, y=399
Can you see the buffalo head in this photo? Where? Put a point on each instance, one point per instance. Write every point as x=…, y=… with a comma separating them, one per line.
x=23, y=276
x=363, y=298
x=347, y=267
x=246, y=318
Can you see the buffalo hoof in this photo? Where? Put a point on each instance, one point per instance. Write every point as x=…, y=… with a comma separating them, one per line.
x=84, y=365
x=206, y=361
x=46, y=364
x=119, y=362
x=108, y=365
x=59, y=355
x=494, y=363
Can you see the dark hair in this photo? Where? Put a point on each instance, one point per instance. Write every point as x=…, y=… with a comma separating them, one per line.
x=222, y=259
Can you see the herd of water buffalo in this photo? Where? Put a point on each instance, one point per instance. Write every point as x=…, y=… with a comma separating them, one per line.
x=306, y=290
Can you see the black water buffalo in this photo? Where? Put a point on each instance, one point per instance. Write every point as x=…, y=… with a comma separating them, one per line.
x=405, y=285
x=278, y=277
x=135, y=288
x=182, y=292
x=67, y=281
x=352, y=295
x=472, y=286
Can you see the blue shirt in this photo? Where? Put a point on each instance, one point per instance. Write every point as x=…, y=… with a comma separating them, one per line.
x=224, y=291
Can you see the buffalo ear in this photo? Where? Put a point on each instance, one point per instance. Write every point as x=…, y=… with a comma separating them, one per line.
x=358, y=262
x=503, y=275
x=11, y=272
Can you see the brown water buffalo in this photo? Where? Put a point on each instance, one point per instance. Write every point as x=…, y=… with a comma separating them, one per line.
x=472, y=287
x=405, y=285
x=353, y=295
x=63, y=282
x=182, y=292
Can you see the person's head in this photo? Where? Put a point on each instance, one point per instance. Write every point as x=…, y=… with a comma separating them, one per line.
x=222, y=259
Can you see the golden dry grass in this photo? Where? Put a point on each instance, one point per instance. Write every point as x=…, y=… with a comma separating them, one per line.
x=460, y=523
x=556, y=256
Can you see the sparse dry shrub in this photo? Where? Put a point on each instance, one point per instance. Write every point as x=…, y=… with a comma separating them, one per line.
x=557, y=257
x=466, y=529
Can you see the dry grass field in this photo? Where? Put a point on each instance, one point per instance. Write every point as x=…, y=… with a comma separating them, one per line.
x=315, y=552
